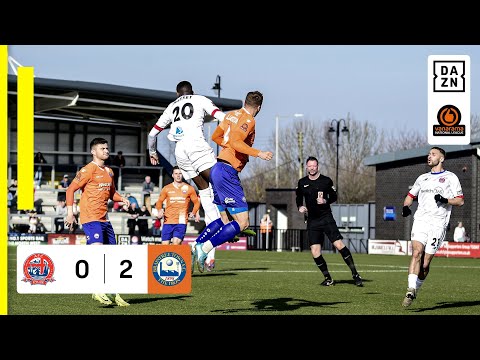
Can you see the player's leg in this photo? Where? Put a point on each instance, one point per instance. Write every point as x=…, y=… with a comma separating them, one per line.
x=94, y=233
x=315, y=240
x=228, y=193
x=167, y=233
x=179, y=231
x=202, y=160
x=420, y=232
x=108, y=235
x=436, y=236
x=210, y=261
x=333, y=234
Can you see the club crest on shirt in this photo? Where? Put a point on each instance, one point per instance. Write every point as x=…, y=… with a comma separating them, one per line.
x=184, y=189
x=442, y=180
x=244, y=127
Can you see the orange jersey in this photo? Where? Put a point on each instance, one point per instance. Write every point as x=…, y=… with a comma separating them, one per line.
x=97, y=187
x=177, y=203
x=236, y=134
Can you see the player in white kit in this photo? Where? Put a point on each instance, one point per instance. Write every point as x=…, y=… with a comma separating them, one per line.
x=437, y=191
x=194, y=156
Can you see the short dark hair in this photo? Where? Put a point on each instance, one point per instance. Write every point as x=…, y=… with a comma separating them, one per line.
x=441, y=150
x=184, y=88
x=97, y=141
x=311, y=158
x=254, y=98
x=176, y=167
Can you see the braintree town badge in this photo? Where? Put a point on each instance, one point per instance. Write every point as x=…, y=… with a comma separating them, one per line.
x=169, y=268
x=38, y=269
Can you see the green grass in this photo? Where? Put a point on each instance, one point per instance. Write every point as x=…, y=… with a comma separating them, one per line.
x=271, y=283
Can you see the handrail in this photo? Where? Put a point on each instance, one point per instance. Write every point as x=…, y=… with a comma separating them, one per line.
x=120, y=170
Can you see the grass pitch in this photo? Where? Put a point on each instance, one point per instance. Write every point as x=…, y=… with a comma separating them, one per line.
x=286, y=283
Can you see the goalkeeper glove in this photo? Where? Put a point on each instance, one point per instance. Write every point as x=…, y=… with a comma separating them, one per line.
x=441, y=199
x=406, y=211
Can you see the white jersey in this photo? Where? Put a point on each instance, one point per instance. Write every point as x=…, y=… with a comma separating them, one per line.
x=426, y=187
x=186, y=116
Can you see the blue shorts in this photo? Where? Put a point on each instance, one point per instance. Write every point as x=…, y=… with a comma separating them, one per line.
x=227, y=189
x=170, y=231
x=99, y=231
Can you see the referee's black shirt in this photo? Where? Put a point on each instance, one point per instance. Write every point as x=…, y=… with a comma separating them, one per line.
x=309, y=189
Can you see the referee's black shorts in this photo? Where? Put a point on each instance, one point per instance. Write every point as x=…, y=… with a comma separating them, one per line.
x=317, y=228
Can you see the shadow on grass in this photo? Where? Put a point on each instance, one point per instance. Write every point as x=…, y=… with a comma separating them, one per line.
x=349, y=282
x=448, y=305
x=154, y=299
x=280, y=304
x=227, y=272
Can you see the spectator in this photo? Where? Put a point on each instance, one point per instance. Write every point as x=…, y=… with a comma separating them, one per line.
x=118, y=162
x=10, y=198
x=65, y=183
x=119, y=159
x=60, y=212
x=38, y=177
x=147, y=189
x=38, y=159
x=143, y=223
x=13, y=187
x=459, y=233
x=266, y=229
x=132, y=199
x=33, y=222
x=157, y=225
x=134, y=212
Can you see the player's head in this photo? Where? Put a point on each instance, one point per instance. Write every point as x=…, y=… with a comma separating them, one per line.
x=99, y=149
x=436, y=156
x=177, y=174
x=184, y=88
x=312, y=165
x=253, y=102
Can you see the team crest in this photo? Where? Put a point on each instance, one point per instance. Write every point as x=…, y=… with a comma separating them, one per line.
x=441, y=180
x=184, y=189
x=38, y=269
x=169, y=268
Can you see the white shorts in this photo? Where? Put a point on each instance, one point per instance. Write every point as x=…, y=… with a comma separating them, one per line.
x=194, y=156
x=430, y=236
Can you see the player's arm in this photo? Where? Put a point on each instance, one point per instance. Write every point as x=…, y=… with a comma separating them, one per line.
x=332, y=195
x=159, y=126
x=299, y=198
x=196, y=204
x=237, y=142
x=217, y=135
x=70, y=220
x=159, y=203
x=212, y=109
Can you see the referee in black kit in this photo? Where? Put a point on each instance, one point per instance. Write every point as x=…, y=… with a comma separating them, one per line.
x=319, y=193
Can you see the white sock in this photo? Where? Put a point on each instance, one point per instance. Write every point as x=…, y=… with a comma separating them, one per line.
x=207, y=246
x=210, y=209
x=211, y=255
x=412, y=281
x=419, y=284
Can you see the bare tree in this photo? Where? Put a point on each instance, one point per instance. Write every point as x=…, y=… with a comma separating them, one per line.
x=356, y=181
x=403, y=140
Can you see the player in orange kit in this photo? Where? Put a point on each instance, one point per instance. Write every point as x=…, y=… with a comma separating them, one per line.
x=96, y=182
x=236, y=134
x=177, y=196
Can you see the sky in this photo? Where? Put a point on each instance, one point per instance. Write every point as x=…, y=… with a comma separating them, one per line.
x=385, y=85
